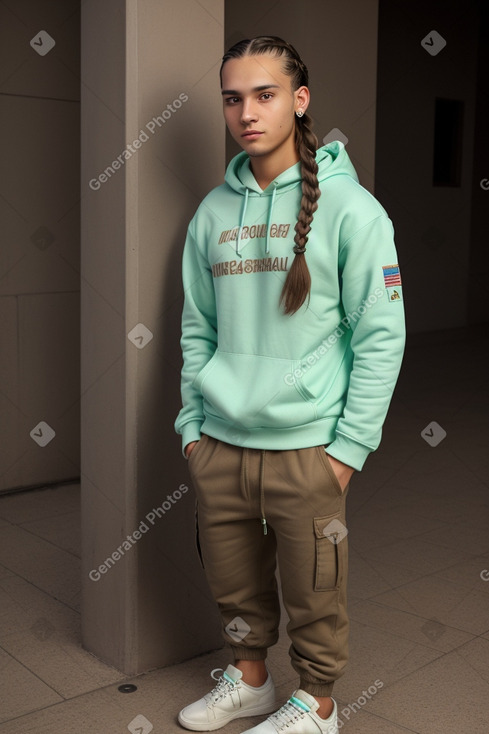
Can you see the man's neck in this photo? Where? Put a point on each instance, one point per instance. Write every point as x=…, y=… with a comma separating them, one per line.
x=266, y=168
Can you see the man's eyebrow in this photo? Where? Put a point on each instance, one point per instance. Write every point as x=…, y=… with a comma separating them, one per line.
x=256, y=89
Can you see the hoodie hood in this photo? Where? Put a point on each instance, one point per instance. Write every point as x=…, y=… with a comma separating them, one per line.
x=332, y=160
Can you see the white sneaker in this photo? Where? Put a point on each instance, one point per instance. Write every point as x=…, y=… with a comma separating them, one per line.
x=298, y=716
x=231, y=699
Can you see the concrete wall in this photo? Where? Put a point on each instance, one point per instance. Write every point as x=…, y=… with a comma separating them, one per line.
x=478, y=303
x=40, y=244
x=152, y=606
x=433, y=223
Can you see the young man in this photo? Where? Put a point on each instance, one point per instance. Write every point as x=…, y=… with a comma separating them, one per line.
x=289, y=367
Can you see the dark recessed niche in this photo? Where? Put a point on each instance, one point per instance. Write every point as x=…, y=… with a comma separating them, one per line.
x=447, y=155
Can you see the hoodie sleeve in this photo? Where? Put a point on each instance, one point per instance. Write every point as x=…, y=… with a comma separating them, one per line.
x=374, y=311
x=199, y=335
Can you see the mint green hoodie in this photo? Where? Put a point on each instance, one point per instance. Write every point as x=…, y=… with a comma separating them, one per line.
x=253, y=376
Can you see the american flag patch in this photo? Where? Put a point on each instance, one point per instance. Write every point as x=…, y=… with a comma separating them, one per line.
x=392, y=275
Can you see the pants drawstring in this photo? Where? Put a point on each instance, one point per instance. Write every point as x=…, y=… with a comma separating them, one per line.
x=262, y=493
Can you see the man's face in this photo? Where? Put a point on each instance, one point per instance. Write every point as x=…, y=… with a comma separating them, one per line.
x=257, y=96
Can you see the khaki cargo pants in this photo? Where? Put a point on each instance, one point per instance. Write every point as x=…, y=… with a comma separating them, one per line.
x=256, y=506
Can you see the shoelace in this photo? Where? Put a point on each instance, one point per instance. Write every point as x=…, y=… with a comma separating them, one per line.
x=224, y=687
x=289, y=714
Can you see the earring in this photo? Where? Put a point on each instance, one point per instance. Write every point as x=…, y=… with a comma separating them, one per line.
x=299, y=113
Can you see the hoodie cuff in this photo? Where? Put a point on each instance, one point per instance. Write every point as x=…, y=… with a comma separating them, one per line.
x=190, y=432
x=348, y=451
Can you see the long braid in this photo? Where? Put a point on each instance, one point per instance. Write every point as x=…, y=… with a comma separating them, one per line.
x=298, y=282
x=297, y=285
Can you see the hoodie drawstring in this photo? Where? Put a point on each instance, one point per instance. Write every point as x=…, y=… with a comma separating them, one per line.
x=244, y=480
x=270, y=209
x=243, y=214
x=269, y=219
x=262, y=493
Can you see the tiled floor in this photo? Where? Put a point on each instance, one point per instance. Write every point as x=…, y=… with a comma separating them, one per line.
x=418, y=518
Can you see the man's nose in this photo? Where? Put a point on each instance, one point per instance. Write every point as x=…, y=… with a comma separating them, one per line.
x=248, y=112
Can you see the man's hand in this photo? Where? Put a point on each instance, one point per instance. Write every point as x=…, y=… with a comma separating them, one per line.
x=343, y=471
x=190, y=447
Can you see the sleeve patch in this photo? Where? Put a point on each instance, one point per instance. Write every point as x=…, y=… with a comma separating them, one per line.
x=392, y=282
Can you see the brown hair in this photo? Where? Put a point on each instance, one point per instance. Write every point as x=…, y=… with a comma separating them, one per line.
x=298, y=283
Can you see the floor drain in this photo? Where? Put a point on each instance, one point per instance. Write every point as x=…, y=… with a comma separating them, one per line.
x=127, y=688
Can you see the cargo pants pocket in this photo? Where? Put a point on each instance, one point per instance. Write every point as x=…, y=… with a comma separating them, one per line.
x=197, y=539
x=197, y=449
x=192, y=459
x=331, y=546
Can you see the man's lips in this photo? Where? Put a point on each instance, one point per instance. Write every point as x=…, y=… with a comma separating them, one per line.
x=250, y=133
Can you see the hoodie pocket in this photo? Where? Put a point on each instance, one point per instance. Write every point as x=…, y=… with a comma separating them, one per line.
x=253, y=391
x=326, y=377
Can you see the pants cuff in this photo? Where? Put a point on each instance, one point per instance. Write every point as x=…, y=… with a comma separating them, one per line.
x=317, y=689
x=249, y=653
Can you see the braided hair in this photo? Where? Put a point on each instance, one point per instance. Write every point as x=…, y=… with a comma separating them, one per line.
x=297, y=285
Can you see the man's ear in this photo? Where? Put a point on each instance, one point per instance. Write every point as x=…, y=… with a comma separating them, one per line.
x=302, y=97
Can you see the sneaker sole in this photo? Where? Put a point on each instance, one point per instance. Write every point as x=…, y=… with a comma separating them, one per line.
x=223, y=722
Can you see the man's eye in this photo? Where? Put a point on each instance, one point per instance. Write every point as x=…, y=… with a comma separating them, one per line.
x=232, y=100
x=268, y=95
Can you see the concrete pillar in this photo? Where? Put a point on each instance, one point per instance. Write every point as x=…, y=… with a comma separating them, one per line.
x=152, y=146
